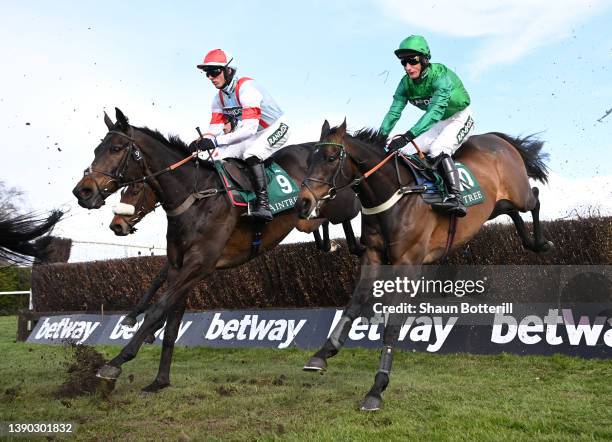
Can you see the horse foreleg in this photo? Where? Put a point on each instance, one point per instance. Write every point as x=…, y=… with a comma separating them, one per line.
x=162, y=380
x=326, y=242
x=158, y=281
x=336, y=339
x=335, y=342
x=373, y=400
x=323, y=244
x=356, y=248
x=194, y=268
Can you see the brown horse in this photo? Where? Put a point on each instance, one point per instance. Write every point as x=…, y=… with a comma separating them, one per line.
x=210, y=235
x=138, y=199
x=409, y=232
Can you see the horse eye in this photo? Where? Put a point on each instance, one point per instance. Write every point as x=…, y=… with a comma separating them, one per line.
x=331, y=159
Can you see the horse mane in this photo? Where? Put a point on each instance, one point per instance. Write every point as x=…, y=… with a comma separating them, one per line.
x=371, y=136
x=372, y=139
x=172, y=141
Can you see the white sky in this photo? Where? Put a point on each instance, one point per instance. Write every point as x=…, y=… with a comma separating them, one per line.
x=529, y=65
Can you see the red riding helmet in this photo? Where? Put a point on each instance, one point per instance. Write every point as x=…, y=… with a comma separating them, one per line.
x=218, y=58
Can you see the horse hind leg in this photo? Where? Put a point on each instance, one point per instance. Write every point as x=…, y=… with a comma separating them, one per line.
x=536, y=243
x=526, y=238
x=542, y=245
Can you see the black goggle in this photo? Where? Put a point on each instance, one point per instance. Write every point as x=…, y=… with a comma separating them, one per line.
x=212, y=73
x=411, y=60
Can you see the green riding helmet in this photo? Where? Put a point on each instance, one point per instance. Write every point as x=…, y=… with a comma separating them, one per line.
x=412, y=44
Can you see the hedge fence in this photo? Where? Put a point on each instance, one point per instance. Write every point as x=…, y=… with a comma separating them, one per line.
x=297, y=275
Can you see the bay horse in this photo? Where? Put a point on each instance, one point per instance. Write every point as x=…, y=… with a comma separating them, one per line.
x=138, y=199
x=211, y=234
x=409, y=232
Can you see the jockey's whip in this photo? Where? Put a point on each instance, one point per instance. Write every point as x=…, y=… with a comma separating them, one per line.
x=210, y=157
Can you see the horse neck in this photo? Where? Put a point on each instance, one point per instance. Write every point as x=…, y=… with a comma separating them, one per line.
x=382, y=183
x=173, y=187
x=294, y=160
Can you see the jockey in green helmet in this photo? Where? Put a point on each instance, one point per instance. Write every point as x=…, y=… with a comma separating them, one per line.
x=447, y=121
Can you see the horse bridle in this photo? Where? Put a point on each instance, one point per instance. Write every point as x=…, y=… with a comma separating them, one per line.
x=333, y=187
x=139, y=210
x=117, y=175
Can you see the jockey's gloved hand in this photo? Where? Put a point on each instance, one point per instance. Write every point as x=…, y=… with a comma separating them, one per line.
x=205, y=144
x=400, y=141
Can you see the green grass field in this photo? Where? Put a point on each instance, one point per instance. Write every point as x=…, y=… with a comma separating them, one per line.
x=264, y=394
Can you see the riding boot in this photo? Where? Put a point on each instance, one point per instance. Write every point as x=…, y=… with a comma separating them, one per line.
x=260, y=183
x=452, y=203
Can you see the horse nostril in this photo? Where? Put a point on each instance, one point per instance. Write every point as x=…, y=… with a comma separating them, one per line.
x=117, y=229
x=84, y=192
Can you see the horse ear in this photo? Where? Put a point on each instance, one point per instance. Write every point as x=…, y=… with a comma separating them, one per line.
x=121, y=119
x=325, y=130
x=109, y=123
x=342, y=128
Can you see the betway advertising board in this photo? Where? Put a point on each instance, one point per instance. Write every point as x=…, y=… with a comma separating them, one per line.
x=474, y=316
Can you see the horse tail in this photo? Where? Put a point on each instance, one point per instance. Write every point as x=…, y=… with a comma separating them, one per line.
x=17, y=232
x=530, y=148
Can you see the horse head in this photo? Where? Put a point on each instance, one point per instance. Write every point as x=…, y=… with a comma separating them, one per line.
x=117, y=160
x=328, y=171
x=137, y=200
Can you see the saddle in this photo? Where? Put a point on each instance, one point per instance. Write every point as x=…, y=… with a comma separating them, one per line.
x=427, y=176
x=237, y=181
x=239, y=173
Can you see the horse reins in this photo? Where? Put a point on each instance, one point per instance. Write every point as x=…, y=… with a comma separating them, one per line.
x=331, y=193
x=133, y=150
x=333, y=188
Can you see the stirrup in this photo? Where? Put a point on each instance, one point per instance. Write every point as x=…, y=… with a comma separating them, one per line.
x=452, y=204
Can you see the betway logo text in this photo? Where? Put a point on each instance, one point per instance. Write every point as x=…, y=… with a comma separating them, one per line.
x=67, y=329
x=123, y=332
x=533, y=329
x=251, y=328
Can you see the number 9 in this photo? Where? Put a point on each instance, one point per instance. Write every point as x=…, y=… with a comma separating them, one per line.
x=284, y=183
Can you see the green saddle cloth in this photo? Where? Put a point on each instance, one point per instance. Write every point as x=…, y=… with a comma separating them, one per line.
x=282, y=189
x=471, y=193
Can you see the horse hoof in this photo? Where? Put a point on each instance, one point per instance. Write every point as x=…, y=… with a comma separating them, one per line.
x=108, y=372
x=150, y=339
x=371, y=403
x=128, y=321
x=547, y=247
x=155, y=386
x=315, y=364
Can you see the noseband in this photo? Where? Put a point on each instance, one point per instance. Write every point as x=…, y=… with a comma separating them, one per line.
x=118, y=174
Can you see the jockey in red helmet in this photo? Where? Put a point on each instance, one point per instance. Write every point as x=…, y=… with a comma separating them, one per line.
x=259, y=131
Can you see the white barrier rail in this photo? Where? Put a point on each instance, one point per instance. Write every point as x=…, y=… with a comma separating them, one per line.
x=21, y=292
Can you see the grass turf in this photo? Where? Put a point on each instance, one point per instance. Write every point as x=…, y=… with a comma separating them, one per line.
x=247, y=394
